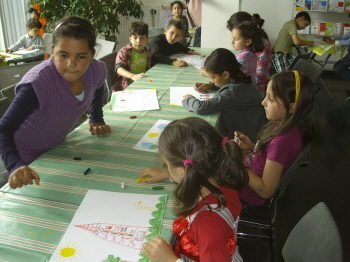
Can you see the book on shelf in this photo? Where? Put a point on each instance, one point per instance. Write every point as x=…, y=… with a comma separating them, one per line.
x=322, y=28
x=337, y=29
x=303, y=5
x=314, y=28
x=329, y=29
x=336, y=6
x=347, y=6
x=345, y=28
x=319, y=5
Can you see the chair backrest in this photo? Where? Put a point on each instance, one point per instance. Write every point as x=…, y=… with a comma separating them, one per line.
x=302, y=160
x=299, y=56
x=109, y=60
x=314, y=238
x=104, y=48
x=8, y=92
x=48, y=42
x=312, y=70
x=10, y=75
x=4, y=104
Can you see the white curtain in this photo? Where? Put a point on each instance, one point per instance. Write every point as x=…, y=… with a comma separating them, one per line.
x=13, y=17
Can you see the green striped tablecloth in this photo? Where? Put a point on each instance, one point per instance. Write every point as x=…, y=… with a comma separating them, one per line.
x=34, y=218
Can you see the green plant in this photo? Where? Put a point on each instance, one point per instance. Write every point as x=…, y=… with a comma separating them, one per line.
x=103, y=14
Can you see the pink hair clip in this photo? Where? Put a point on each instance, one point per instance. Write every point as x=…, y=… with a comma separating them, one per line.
x=224, y=141
x=188, y=161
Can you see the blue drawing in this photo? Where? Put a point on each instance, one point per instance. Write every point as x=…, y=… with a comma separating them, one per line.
x=162, y=126
x=149, y=146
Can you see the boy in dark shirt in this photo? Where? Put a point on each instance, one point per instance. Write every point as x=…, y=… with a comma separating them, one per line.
x=164, y=45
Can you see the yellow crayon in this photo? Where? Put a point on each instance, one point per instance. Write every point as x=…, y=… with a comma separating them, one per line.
x=141, y=179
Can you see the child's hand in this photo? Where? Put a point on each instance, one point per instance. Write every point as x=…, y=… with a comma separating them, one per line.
x=311, y=43
x=31, y=48
x=159, y=250
x=136, y=77
x=8, y=50
x=23, y=175
x=203, y=72
x=328, y=40
x=191, y=52
x=180, y=63
x=154, y=174
x=243, y=141
x=99, y=129
x=202, y=87
x=187, y=96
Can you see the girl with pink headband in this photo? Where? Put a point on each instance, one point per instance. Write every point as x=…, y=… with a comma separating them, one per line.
x=209, y=173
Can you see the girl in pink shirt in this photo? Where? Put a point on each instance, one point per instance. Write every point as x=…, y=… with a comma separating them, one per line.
x=289, y=108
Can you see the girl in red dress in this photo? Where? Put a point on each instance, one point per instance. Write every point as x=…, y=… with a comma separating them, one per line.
x=209, y=170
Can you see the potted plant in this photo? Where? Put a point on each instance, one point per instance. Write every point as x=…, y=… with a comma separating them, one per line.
x=103, y=14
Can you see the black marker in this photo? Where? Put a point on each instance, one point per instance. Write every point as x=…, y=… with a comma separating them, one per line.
x=87, y=171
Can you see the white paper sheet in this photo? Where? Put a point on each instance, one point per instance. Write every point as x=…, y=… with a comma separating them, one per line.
x=196, y=60
x=149, y=142
x=134, y=100
x=177, y=93
x=108, y=224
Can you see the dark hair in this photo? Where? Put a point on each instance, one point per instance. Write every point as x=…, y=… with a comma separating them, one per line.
x=283, y=87
x=138, y=28
x=194, y=138
x=75, y=27
x=240, y=17
x=33, y=23
x=305, y=15
x=176, y=2
x=221, y=60
x=250, y=30
x=177, y=24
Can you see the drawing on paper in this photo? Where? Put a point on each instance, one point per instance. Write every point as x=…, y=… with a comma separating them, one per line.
x=149, y=142
x=177, y=93
x=110, y=226
x=69, y=252
x=134, y=100
x=129, y=236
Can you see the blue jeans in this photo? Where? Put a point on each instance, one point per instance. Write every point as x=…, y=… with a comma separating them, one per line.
x=197, y=37
x=341, y=67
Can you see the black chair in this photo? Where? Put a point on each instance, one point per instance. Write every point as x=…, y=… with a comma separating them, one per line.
x=305, y=56
x=264, y=226
x=109, y=60
x=314, y=72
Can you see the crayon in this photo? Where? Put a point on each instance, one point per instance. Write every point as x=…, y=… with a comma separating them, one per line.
x=158, y=188
x=76, y=158
x=87, y=171
x=132, y=117
x=141, y=179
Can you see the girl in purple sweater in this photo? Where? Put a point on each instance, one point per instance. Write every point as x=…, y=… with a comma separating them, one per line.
x=50, y=99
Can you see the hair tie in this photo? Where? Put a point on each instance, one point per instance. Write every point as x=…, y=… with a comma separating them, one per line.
x=297, y=85
x=224, y=141
x=188, y=162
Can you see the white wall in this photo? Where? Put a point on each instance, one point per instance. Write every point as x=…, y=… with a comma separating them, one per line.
x=215, y=14
x=274, y=12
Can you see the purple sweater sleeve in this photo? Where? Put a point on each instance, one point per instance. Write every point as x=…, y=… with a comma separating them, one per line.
x=95, y=111
x=22, y=106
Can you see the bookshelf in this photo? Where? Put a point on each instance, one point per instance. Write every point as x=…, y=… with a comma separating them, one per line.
x=328, y=18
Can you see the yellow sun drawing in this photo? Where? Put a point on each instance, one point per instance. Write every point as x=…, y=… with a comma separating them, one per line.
x=68, y=253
